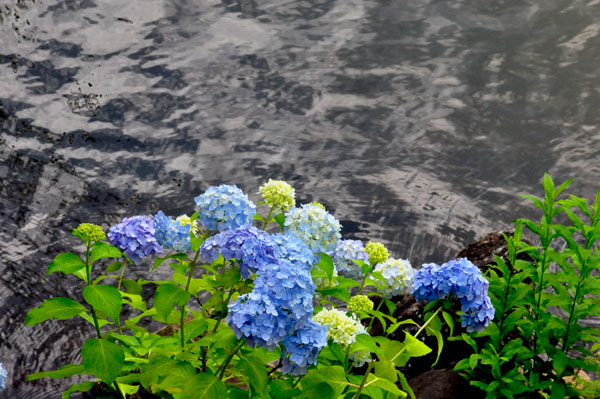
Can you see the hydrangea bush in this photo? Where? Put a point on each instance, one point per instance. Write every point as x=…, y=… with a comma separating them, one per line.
x=253, y=310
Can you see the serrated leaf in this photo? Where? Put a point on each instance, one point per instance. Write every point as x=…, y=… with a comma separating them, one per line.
x=104, y=298
x=103, y=250
x=204, y=386
x=102, y=358
x=68, y=370
x=167, y=296
x=414, y=347
x=59, y=308
x=67, y=263
x=326, y=264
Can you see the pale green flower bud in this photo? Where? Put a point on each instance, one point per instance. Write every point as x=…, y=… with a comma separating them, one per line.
x=377, y=252
x=278, y=193
x=90, y=232
x=360, y=304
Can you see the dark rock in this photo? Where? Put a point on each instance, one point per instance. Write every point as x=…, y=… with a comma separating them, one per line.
x=443, y=384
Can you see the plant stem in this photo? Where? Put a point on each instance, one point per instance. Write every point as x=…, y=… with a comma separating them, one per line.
x=88, y=273
x=373, y=317
x=223, y=367
x=183, y=311
x=268, y=217
x=362, y=384
x=122, y=271
x=360, y=290
x=118, y=388
x=217, y=324
x=418, y=332
x=297, y=381
x=346, y=361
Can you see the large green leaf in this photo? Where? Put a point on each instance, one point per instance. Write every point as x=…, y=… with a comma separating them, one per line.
x=168, y=295
x=67, y=370
x=203, y=386
x=326, y=264
x=102, y=358
x=256, y=372
x=59, y=308
x=104, y=298
x=83, y=387
x=103, y=250
x=66, y=263
x=414, y=347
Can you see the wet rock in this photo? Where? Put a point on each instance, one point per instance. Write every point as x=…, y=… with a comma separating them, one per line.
x=443, y=384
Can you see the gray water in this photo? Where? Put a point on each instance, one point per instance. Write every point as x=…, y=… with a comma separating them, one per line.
x=415, y=122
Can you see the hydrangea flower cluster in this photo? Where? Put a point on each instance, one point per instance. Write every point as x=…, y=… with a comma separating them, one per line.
x=185, y=219
x=360, y=304
x=278, y=193
x=224, y=207
x=279, y=307
x=398, y=275
x=172, y=234
x=4, y=374
x=316, y=227
x=346, y=252
x=294, y=250
x=90, y=232
x=377, y=252
x=135, y=236
x=463, y=279
x=250, y=246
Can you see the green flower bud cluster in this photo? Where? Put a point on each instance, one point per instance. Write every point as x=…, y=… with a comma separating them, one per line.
x=278, y=193
x=90, y=232
x=377, y=252
x=185, y=219
x=360, y=304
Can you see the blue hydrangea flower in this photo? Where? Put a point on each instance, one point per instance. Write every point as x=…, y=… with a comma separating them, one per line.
x=135, y=236
x=302, y=348
x=398, y=275
x=295, y=251
x=462, y=279
x=172, y=234
x=224, y=208
x=250, y=246
x=346, y=252
x=3, y=375
x=316, y=227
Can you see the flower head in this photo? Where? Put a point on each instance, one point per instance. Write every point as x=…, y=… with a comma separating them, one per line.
x=278, y=193
x=314, y=226
x=90, y=232
x=250, y=246
x=185, y=219
x=172, y=234
x=341, y=329
x=302, y=347
x=463, y=279
x=135, y=236
x=294, y=250
x=360, y=304
x=398, y=276
x=346, y=252
x=3, y=375
x=224, y=207
x=377, y=252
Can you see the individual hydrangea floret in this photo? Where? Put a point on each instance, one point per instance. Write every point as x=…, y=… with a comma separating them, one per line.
x=377, y=252
x=3, y=375
x=463, y=279
x=250, y=246
x=224, y=207
x=314, y=226
x=398, y=275
x=135, y=236
x=294, y=250
x=360, y=304
x=303, y=347
x=185, y=219
x=346, y=252
x=172, y=234
x=342, y=329
x=278, y=193
x=90, y=232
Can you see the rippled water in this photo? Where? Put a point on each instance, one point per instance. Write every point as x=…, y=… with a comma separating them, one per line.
x=416, y=122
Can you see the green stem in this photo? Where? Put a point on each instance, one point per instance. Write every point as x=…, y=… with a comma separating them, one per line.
x=539, y=301
x=373, y=317
x=118, y=388
x=418, y=332
x=223, y=367
x=122, y=271
x=360, y=290
x=362, y=384
x=183, y=311
x=217, y=324
x=268, y=217
x=346, y=362
x=88, y=273
x=566, y=336
x=297, y=381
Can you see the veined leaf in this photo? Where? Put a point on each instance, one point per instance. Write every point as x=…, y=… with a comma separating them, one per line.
x=59, y=308
x=83, y=387
x=68, y=370
x=414, y=347
x=103, y=250
x=102, y=358
x=203, y=386
x=168, y=295
x=104, y=298
x=67, y=263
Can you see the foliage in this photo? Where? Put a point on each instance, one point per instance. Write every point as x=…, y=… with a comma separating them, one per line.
x=537, y=346
x=262, y=329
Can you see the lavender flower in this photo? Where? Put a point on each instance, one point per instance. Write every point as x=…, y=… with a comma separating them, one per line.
x=135, y=236
x=224, y=207
x=172, y=234
x=346, y=252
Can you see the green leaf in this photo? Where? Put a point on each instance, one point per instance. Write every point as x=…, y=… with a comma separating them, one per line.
x=365, y=342
x=103, y=250
x=104, y=298
x=280, y=219
x=113, y=267
x=326, y=264
x=67, y=263
x=256, y=372
x=440, y=343
x=132, y=287
x=159, y=261
x=385, y=369
x=59, y=308
x=68, y=370
x=203, y=386
x=450, y=321
x=168, y=295
x=282, y=389
x=83, y=387
x=102, y=359
x=414, y=347
x=385, y=385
